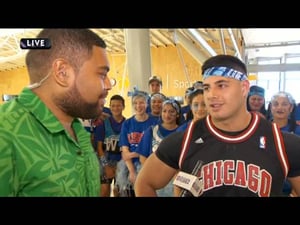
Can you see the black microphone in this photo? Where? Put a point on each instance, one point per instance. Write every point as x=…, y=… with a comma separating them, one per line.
x=190, y=182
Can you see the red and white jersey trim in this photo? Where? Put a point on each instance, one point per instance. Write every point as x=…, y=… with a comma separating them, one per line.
x=239, y=138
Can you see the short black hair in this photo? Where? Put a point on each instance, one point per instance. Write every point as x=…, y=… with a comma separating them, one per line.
x=74, y=45
x=119, y=98
x=225, y=60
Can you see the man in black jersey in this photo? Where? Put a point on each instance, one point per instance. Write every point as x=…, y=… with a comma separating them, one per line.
x=242, y=154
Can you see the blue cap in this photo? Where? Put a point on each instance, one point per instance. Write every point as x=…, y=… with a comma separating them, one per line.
x=256, y=90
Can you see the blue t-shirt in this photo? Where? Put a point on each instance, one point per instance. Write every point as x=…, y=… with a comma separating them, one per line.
x=132, y=132
x=147, y=143
x=109, y=133
x=297, y=112
x=184, y=126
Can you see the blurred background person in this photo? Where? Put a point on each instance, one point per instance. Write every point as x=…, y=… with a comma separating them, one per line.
x=283, y=107
x=187, y=107
x=156, y=102
x=155, y=86
x=198, y=108
x=106, y=137
x=297, y=114
x=170, y=119
x=198, y=85
x=131, y=134
x=256, y=100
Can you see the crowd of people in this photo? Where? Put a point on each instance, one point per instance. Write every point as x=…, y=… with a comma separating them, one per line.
x=234, y=150
x=58, y=139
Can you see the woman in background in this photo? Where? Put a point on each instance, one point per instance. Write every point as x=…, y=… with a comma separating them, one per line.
x=283, y=108
x=256, y=100
x=170, y=119
x=198, y=109
x=131, y=134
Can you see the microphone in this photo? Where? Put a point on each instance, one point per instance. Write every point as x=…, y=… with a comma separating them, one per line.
x=191, y=183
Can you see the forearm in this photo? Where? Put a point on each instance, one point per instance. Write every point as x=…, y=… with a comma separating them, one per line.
x=134, y=155
x=130, y=166
x=101, y=154
x=295, y=182
x=142, y=159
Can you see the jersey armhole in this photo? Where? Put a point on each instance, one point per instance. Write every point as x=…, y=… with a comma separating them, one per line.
x=186, y=142
x=280, y=148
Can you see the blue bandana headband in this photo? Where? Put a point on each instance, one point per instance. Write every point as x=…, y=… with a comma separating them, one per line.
x=137, y=92
x=256, y=90
x=158, y=95
x=173, y=104
x=259, y=93
x=224, y=72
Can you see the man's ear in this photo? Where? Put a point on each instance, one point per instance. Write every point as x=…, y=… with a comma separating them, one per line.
x=245, y=87
x=60, y=72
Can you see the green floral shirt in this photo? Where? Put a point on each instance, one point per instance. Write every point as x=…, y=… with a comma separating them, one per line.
x=38, y=157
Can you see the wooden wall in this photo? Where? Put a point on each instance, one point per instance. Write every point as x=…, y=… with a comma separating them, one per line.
x=176, y=66
x=12, y=82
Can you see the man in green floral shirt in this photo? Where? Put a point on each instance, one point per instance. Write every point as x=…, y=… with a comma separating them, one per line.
x=44, y=149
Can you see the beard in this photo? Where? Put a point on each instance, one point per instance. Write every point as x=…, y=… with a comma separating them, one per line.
x=74, y=105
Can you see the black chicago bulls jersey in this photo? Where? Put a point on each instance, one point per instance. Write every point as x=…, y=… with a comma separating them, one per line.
x=253, y=162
